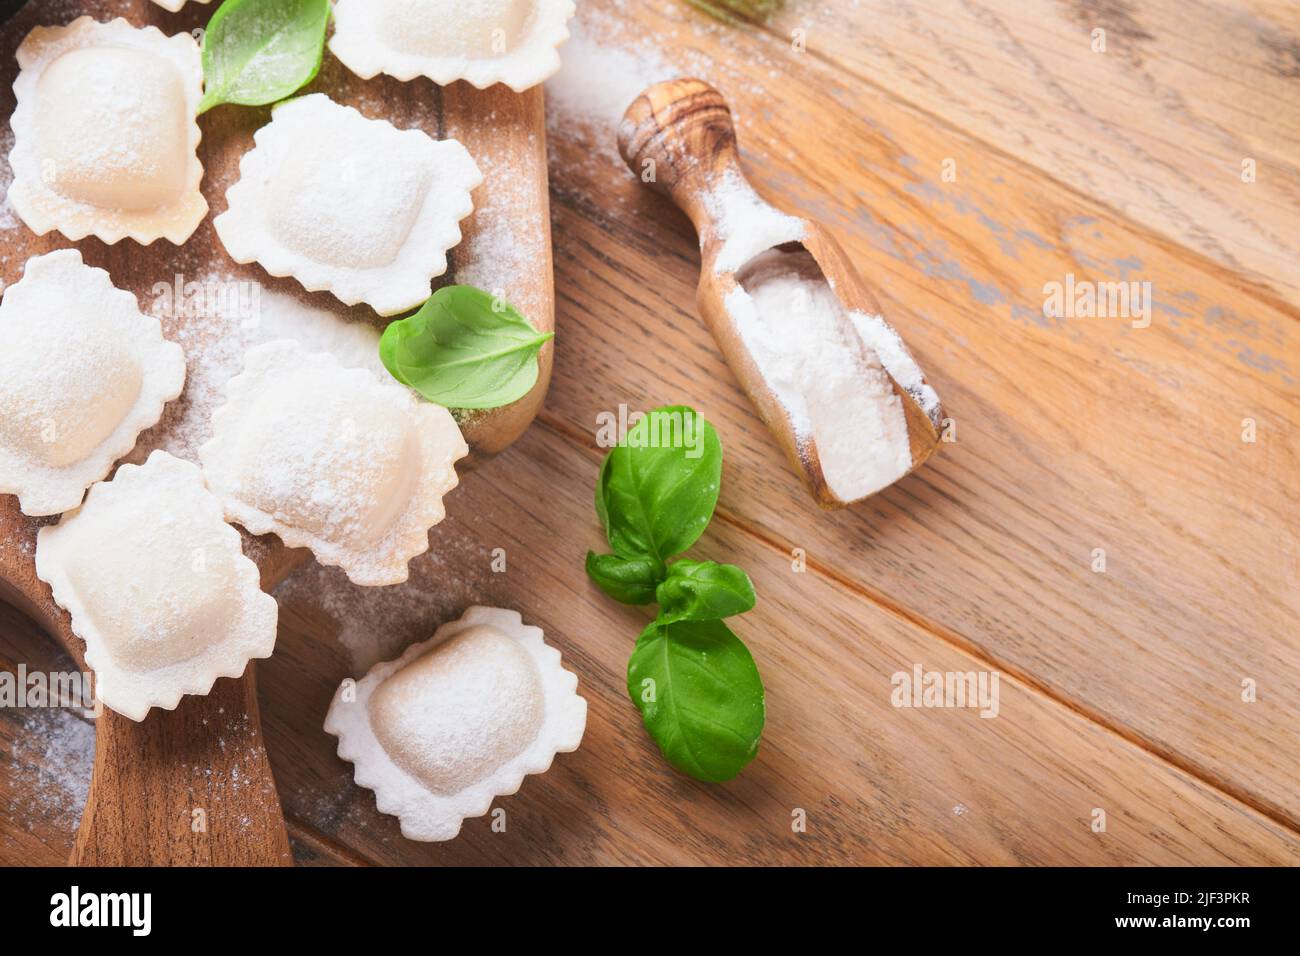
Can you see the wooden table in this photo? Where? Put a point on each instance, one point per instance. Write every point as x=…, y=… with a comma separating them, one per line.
x=1100, y=533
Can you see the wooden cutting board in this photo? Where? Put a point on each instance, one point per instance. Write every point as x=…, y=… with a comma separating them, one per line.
x=193, y=786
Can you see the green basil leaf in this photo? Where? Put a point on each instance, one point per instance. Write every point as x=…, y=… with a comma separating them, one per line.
x=658, y=488
x=700, y=695
x=629, y=580
x=260, y=51
x=464, y=349
x=703, y=591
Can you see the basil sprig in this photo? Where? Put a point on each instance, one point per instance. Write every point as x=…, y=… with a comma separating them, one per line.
x=694, y=681
x=257, y=52
x=464, y=349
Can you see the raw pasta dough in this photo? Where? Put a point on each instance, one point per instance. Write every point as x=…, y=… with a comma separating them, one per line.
x=347, y=204
x=483, y=41
x=157, y=586
x=82, y=373
x=105, y=138
x=457, y=721
x=332, y=459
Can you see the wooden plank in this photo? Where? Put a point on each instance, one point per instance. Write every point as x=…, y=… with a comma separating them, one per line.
x=45, y=756
x=1072, y=434
x=878, y=783
x=157, y=772
x=1156, y=125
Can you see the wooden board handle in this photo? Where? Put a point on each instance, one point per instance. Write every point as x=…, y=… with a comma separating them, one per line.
x=679, y=138
x=184, y=787
x=190, y=786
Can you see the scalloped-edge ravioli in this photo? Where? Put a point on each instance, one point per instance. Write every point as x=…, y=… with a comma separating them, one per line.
x=82, y=373
x=458, y=720
x=484, y=42
x=105, y=137
x=157, y=585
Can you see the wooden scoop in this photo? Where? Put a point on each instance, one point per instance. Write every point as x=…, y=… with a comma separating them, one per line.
x=678, y=136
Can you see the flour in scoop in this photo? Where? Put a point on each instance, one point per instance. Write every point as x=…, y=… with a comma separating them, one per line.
x=834, y=388
x=747, y=223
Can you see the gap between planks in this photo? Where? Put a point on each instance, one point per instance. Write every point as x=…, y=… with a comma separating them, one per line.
x=955, y=640
x=337, y=854
x=1255, y=288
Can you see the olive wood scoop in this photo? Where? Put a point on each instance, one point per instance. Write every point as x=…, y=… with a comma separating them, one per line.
x=678, y=137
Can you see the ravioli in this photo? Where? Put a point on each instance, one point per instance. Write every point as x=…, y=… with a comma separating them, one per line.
x=157, y=586
x=82, y=373
x=485, y=42
x=105, y=138
x=457, y=721
x=347, y=204
x=332, y=459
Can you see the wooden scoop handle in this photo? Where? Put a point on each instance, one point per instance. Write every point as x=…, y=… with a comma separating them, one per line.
x=678, y=136
x=184, y=787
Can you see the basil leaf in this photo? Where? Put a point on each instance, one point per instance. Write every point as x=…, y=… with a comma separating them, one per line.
x=260, y=51
x=700, y=695
x=629, y=580
x=464, y=349
x=658, y=488
x=703, y=591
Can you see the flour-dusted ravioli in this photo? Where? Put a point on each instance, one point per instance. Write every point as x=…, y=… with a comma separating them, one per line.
x=105, y=138
x=483, y=41
x=457, y=721
x=332, y=459
x=157, y=586
x=82, y=373
x=348, y=204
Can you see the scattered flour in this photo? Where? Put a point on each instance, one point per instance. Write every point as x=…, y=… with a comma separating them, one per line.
x=608, y=61
x=600, y=77
x=52, y=761
x=219, y=317
x=376, y=624
x=833, y=387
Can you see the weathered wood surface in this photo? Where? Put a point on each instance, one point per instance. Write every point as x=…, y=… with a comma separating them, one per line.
x=193, y=786
x=1121, y=690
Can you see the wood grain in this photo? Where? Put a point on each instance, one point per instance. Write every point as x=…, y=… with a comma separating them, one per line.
x=683, y=130
x=879, y=784
x=1156, y=126
x=193, y=786
x=1121, y=690
x=1071, y=434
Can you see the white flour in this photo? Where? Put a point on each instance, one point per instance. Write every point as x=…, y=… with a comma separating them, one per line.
x=51, y=763
x=220, y=317
x=832, y=385
x=746, y=222
x=601, y=77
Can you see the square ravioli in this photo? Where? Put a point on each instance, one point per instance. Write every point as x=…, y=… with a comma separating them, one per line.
x=484, y=42
x=457, y=721
x=82, y=373
x=105, y=137
x=332, y=459
x=348, y=204
x=157, y=585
